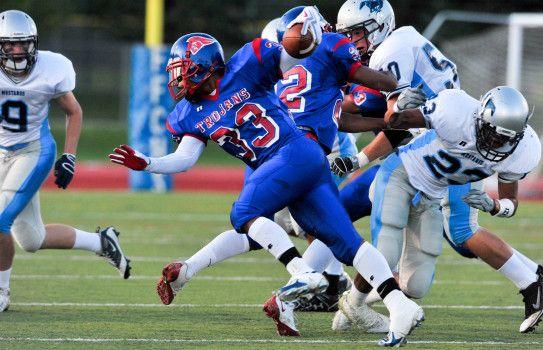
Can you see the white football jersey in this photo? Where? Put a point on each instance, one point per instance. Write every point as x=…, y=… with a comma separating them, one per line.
x=414, y=61
x=447, y=154
x=24, y=105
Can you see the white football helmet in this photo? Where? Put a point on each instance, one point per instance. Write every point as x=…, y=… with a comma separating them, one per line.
x=501, y=120
x=270, y=30
x=375, y=17
x=17, y=27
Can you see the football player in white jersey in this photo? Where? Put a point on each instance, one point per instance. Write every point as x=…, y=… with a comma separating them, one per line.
x=415, y=62
x=29, y=80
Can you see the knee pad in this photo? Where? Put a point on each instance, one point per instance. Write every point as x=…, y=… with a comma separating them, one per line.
x=416, y=277
x=29, y=235
x=390, y=245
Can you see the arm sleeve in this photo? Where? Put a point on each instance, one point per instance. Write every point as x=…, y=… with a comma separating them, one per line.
x=371, y=103
x=186, y=155
x=346, y=57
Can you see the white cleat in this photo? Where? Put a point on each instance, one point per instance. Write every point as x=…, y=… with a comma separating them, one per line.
x=282, y=314
x=304, y=284
x=403, y=319
x=341, y=323
x=112, y=252
x=362, y=316
x=4, y=299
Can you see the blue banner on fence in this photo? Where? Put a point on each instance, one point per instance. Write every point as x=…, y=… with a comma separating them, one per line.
x=150, y=104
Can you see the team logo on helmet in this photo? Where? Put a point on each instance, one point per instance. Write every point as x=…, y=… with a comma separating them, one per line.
x=373, y=5
x=196, y=43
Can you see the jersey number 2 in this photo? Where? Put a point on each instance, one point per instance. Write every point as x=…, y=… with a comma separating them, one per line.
x=15, y=114
x=298, y=80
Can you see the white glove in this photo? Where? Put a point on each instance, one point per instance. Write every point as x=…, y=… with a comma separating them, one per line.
x=312, y=21
x=479, y=200
x=410, y=98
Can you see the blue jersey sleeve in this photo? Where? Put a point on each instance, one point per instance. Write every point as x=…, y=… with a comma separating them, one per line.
x=177, y=125
x=259, y=61
x=346, y=56
x=371, y=103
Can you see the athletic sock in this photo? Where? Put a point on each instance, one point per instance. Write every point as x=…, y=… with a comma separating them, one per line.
x=4, y=278
x=87, y=241
x=335, y=267
x=532, y=265
x=224, y=246
x=356, y=297
x=318, y=255
x=297, y=266
x=333, y=284
x=271, y=237
x=517, y=272
x=373, y=297
x=372, y=265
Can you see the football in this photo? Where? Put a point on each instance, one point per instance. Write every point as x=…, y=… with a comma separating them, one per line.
x=296, y=44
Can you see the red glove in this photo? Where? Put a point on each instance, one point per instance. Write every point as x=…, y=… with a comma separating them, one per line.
x=129, y=157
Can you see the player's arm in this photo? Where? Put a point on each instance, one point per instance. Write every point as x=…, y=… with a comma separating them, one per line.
x=356, y=123
x=65, y=165
x=382, y=81
x=184, y=157
x=505, y=206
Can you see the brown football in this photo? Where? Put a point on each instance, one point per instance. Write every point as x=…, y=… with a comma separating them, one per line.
x=296, y=44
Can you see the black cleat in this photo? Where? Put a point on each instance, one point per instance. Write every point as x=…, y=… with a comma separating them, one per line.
x=326, y=301
x=533, y=304
x=112, y=252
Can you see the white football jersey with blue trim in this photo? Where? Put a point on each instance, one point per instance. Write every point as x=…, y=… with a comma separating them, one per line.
x=414, y=61
x=447, y=153
x=24, y=105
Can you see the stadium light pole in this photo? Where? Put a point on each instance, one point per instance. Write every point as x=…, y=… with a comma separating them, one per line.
x=154, y=22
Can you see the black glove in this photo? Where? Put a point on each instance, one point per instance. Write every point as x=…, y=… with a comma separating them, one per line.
x=342, y=166
x=64, y=170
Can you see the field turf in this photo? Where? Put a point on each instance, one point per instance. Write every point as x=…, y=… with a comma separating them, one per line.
x=72, y=299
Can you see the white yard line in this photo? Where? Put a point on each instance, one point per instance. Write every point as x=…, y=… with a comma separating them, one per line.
x=143, y=305
x=253, y=341
x=223, y=278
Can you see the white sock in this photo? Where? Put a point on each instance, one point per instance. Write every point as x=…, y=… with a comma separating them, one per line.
x=517, y=272
x=87, y=241
x=270, y=236
x=373, y=297
x=532, y=265
x=297, y=266
x=356, y=297
x=4, y=278
x=372, y=265
x=318, y=255
x=222, y=247
x=335, y=267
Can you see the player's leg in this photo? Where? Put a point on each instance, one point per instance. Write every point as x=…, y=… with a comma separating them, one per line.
x=464, y=231
x=321, y=212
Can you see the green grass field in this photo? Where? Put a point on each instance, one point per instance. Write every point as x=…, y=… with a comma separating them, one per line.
x=71, y=299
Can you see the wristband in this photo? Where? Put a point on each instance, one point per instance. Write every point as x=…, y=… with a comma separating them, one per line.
x=363, y=159
x=507, y=208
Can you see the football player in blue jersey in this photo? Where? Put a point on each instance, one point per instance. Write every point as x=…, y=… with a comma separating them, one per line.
x=234, y=105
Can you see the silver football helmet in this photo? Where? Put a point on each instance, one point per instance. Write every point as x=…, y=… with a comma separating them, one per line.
x=17, y=28
x=270, y=30
x=501, y=120
x=375, y=17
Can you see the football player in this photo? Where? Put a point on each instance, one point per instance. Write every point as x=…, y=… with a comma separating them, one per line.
x=233, y=104
x=416, y=62
x=29, y=80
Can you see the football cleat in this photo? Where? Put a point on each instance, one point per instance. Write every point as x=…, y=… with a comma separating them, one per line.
x=362, y=316
x=4, y=299
x=403, y=319
x=341, y=323
x=282, y=314
x=325, y=301
x=303, y=284
x=533, y=304
x=174, y=277
x=112, y=252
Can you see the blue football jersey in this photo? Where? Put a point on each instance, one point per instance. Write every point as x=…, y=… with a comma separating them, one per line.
x=244, y=116
x=312, y=89
x=371, y=103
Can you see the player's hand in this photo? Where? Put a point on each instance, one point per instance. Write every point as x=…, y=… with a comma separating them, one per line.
x=410, y=98
x=64, y=170
x=342, y=166
x=479, y=200
x=129, y=157
x=312, y=20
